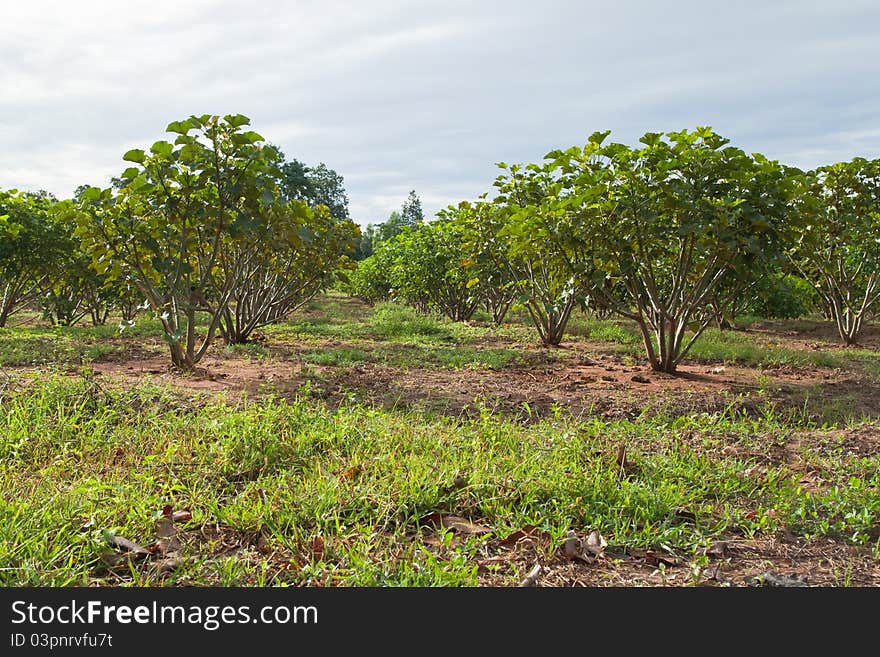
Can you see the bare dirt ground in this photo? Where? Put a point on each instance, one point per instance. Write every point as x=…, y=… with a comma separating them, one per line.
x=603, y=386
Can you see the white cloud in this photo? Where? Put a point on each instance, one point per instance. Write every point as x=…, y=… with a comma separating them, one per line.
x=428, y=95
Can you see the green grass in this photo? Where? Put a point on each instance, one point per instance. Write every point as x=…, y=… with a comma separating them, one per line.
x=81, y=461
x=48, y=345
x=732, y=346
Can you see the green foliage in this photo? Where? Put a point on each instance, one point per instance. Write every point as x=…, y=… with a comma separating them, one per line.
x=422, y=266
x=390, y=320
x=782, y=296
x=428, y=270
x=210, y=224
x=665, y=225
x=838, y=247
x=411, y=211
x=29, y=245
x=318, y=185
x=371, y=281
x=293, y=253
x=487, y=261
x=409, y=216
x=173, y=226
x=532, y=241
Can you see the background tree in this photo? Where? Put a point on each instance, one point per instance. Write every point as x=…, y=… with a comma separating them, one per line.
x=542, y=256
x=390, y=228
x=364, y=244
x=290, y=256
x=411, y=210
x=28, y=240
x=409, y=215
x=838, y=248
x=429, y=270
x=318, y=185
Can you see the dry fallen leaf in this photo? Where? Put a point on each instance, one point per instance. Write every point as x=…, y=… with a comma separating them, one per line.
x=532, y=578
x=351, y=472
x=318, y=548
x=182, y=516
x=455, y=523
x=527, y=532
x=167, y=534
x=463, y=525
x=718, y=549
x=595, y=543
x=126, y=545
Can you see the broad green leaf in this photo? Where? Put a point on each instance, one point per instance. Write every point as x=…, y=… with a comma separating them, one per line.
x=237, y=120
x=162, y=148
x=135, y=155
x=180, y=127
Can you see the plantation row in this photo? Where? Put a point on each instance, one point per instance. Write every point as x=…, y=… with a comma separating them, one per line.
x=674, y=234
x=677, y=233
x=215, y=223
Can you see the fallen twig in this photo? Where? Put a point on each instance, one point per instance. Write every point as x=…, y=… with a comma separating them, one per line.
x=532, y=578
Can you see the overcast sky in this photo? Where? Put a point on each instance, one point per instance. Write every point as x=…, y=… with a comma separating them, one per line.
x=429, y=95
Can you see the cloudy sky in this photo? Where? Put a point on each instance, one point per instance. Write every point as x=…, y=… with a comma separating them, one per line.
x=429, y=95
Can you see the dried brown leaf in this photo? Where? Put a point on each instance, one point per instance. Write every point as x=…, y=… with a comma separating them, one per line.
x=595, y=543
x=455, y=523
x=527, y=532
x=167, y=535
x=318, y=548
x=351, y=472
x=165, y=528
x=463, y=525
x=572, y=546
x=135, y=550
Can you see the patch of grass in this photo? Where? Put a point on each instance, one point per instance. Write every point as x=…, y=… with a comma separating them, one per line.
x=338, y=356
x=252, y=350
x=40, y=346
x=338, y=496
x=51, y=345
x=740, y=347
x=390, y=320
x=730, y=346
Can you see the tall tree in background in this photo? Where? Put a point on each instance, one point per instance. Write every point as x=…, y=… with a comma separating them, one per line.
x=329, y=189
x=411, y=212
x=318, y=185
